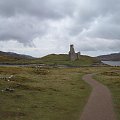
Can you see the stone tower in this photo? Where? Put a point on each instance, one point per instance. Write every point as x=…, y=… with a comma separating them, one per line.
x=72, y=55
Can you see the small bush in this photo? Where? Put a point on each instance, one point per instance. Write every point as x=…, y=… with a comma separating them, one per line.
x=41, y=71
x=110, y=73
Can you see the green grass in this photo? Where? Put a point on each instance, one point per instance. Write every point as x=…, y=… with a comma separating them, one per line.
x=6, y=59
x=111, y=79
x=52, y=93
x=52, y=59
x=63, y=59
x=42, y=94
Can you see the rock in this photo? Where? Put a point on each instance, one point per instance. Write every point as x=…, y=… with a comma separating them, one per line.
x=18, y=85
x=2, y=90
x=10, y=76
x=9, y=89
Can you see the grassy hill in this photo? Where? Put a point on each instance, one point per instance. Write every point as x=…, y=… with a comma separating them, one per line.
x=63, y=59
x=9, y=57
x=52, y=59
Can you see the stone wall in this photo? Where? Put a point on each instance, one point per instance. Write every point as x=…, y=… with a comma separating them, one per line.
x=72, y=55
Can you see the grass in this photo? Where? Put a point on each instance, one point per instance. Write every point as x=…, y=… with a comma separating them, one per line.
x=63, y=59
x=42, y=94
x=52, y=93
x=10, y=59
x=111, y=79
x=52, y=59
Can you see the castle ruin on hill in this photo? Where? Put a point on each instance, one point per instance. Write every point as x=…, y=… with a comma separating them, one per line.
x=72, y=55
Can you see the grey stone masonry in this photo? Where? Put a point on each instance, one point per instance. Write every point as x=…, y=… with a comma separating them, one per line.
x=72, y=55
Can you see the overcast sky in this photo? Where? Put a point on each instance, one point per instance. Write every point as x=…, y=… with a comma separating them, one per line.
x=41, y=27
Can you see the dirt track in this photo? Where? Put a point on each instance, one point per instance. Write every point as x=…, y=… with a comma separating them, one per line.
x=99, y=106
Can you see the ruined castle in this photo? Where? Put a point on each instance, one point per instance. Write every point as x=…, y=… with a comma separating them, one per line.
x=72, y=55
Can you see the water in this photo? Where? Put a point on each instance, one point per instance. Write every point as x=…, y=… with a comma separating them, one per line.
x=6, y=65
x=112, y=63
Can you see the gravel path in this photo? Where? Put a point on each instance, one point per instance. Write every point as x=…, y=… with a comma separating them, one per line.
x=99, y=105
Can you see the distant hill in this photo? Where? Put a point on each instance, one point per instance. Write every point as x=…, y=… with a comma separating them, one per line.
x=11, y=57
x=63, y=59
x=110, y=57
x=52, y=59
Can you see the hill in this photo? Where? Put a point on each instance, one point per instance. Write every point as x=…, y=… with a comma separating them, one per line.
x=110, y=57
x=9, y=57
x=52, y=59
x=63, y=59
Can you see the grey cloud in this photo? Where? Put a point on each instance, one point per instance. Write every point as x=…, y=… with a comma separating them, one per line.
x=21, y=29
x=25, y=20
x=90, y=11
x=104, y=27
x=51, y=9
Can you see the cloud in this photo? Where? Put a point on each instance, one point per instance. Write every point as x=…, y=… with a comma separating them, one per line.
x=89, y=24
x=43, y=9
x=21, y=29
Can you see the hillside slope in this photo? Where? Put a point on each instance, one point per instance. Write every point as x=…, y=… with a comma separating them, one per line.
x=6, y=57
x=63, y=59
x=110, y=57
x=52, y=59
